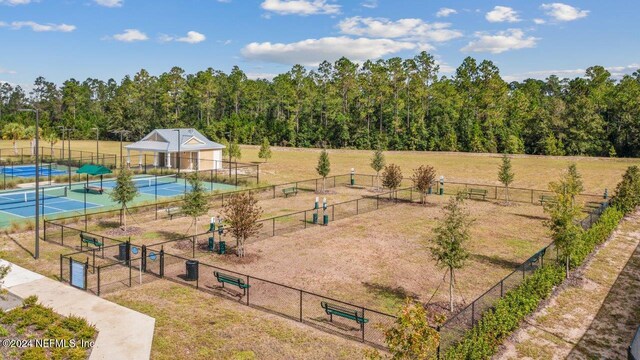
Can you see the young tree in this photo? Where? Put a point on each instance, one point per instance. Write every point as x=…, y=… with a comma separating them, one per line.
x=265, y=150
x=563, y=213
x=391, y=177
x=195, y=201
x=52, y=138
x=234, y=151
x=14, y=132
x=124, y=192
x=423, y=177
x=377, y=163
x=506, y=175
x=574, y=182
x=411, y=337
x=30, y=133
x=324, y=167
x=242, y=212
x=451, y=234
x=627, y=194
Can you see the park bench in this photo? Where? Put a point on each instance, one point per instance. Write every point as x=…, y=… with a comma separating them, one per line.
x=232, y=280
x=477, y=193
x=96, y=189
x=289, y=191
x=89, y=240
x=174, y=211
x=351, y=314
x=537, y=256
x=547, y=198
x=593, y=205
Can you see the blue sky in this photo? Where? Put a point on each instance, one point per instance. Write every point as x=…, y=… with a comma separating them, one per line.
x=60, y=39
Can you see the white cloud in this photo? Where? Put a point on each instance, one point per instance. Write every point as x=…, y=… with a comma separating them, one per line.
x=539, y=21
x=256, y=76
x=502, y=14
x=444, y=12
x=6, y=71
x=131, y=35
x=15, y=2
x=501, y=41
x=300, y=7
x=40, y=27
x=110, y=3
x=370, y=4
x=193, y=37
x=313, y=51
x=564, y=12
x=224, y=42
x=404, y=29
x=616, y=72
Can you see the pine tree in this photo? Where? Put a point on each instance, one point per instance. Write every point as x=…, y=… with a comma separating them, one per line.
x=377, y=163
x=124, y=192
x=195, y=200
x=324, y=167
x=265, y=150
x=506, y=175
x=451, y=234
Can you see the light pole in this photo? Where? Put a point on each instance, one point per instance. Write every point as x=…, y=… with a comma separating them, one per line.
x=179, y=154
x=121, y=132
x=229, y=151
x=37, y=249
x=62, y=131
x=97, y=146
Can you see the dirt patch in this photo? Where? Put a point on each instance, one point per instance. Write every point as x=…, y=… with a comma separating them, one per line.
x=120, y=232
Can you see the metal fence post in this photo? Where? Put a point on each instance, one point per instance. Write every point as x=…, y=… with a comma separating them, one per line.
x=61, y=277
x=248, y=289
x=98, y=281
x=300, y=305
x=473, y=312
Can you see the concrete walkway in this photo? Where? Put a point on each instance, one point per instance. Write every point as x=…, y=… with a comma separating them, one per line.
x=123, y=333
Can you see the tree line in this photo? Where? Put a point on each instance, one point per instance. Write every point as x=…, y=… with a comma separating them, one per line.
x=395, y=104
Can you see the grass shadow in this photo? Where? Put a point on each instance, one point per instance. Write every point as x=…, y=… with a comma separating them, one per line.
x=506, y=264
x=397, y=293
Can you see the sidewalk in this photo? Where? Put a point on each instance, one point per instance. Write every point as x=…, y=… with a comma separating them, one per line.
x=596, y=314
x=123, y=333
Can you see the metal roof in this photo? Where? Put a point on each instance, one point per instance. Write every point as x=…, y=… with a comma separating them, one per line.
x=166, y=140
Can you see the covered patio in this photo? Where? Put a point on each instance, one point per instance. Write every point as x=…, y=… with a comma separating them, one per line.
x=184, y=149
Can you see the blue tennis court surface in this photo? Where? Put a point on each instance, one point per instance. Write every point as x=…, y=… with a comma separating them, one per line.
x=27, y=171
x=52, y=201
x=165, y=186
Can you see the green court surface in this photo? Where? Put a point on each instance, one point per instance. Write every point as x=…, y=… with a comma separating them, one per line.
x=17, y=206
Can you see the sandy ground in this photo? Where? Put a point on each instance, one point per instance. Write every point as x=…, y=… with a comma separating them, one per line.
x=595, y=314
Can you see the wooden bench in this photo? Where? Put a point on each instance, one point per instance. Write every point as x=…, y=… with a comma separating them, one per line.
x=547, y=198
x=232, y=280
x=477, y=193
x=174, y=211
x=89, y=240
x=351, y=314
x=96, y=189
x=290, y=191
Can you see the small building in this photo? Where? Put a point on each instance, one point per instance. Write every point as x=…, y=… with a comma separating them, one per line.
x=170, y=148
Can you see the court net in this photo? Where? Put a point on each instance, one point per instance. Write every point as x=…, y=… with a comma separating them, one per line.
x=28, y=196
x=155, y=181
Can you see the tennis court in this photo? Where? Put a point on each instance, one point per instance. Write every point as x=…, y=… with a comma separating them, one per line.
x=22, y=204
x=165, y=186
x=29, y=171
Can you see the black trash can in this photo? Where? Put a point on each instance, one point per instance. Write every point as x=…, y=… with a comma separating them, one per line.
x=192, y=270
x=123, y=254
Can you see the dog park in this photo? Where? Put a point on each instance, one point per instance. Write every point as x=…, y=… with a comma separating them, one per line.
x=346, y=267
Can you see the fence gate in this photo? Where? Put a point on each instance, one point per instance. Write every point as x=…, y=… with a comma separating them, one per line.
x=78, y=273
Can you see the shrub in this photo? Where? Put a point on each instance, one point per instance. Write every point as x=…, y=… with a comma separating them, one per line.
x=482, y=341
